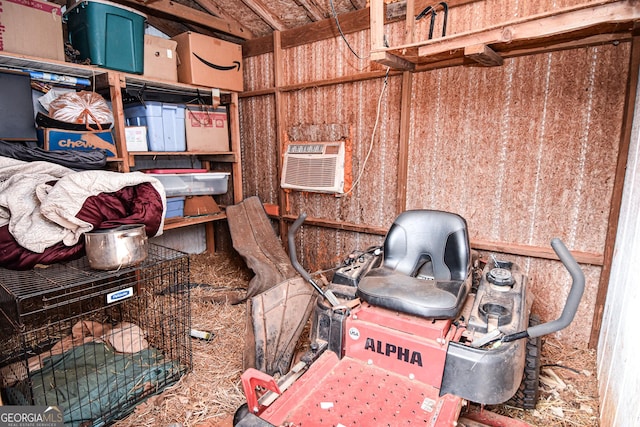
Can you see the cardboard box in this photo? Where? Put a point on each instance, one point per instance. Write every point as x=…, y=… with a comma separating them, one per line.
x=160, y=58
x=207, y=61
x=60, y=139
x=136, y=137
x=207, y=128
x=31, y=27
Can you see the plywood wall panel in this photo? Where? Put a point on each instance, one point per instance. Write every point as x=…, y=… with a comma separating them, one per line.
x=328, y=59
x=519, y=150
x=373, y=200
x=335, y=246
x=259, y=148
x=258, y=72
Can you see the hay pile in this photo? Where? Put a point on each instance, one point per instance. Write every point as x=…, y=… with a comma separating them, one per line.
x=209, y=395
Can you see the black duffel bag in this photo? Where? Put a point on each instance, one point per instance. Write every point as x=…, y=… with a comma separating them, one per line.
x=79, y=160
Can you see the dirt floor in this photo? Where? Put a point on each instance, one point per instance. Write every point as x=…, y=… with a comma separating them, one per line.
x=209, y=395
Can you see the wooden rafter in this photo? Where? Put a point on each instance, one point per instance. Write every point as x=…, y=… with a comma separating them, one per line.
x=265, y=14
x=187, y=14
x=213, y=8
x=359, y=4
x=313, y=11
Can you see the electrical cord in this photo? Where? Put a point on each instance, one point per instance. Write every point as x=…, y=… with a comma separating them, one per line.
x=335, y=17
x=373, y=134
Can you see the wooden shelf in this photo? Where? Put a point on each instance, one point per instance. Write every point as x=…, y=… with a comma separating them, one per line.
x=114, y=83
x=598, y=22
x=173, y=223
x=24, y=62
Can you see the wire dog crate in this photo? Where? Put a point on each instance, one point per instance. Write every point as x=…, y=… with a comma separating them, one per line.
x=94, y=343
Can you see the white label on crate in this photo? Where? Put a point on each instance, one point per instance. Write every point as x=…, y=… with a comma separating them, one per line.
x=119, y=295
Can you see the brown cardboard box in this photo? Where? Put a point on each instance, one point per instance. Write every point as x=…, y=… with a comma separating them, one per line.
x=160, y=58
x=208, y=61
x=31, y=27
x=207, y=128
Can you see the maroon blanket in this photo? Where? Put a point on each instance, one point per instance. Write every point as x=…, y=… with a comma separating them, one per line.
x=139, y=204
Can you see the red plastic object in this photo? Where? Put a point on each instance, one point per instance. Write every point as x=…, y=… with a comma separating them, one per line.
x=254, y=380
x=174, y=171
x=352, y=392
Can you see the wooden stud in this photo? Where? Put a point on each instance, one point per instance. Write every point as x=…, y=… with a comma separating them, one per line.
x=236, y=166
x=403, y=144
x=116, y=83
x=279, y=126
x=484, y=55
x=376, y=24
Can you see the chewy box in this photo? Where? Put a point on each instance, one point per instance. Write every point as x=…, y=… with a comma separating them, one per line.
x=108, y=34
x=194, y=184
x=175, y=207
x=164, y=122
x=60, y=139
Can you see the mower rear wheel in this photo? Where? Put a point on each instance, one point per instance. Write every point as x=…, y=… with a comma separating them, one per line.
x=527, y=395
x=241, y=412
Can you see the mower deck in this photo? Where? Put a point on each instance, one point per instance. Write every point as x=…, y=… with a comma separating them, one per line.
x=348, y=391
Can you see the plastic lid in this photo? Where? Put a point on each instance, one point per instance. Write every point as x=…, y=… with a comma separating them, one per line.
x=174, y=171
x=108, y=3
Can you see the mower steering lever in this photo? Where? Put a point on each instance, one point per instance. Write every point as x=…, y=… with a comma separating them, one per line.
x=328, y=295
x=570, y=306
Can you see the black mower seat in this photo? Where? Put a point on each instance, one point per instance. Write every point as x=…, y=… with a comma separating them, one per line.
x=426, y=267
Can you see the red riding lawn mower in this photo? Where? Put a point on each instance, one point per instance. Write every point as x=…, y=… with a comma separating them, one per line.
x=407, y=335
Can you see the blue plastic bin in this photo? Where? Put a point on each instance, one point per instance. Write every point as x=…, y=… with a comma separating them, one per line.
x=164, y=122
x=175, y=207
x=108, y=34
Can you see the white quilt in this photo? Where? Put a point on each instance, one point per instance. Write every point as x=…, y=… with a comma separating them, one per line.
x=41, y=214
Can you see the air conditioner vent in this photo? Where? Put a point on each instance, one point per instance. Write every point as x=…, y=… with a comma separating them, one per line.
x=317, y=167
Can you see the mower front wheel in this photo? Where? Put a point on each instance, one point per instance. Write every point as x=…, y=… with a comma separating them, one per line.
x=527, y=395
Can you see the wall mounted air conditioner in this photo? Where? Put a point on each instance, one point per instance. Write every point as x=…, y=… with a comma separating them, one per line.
x=314, y=166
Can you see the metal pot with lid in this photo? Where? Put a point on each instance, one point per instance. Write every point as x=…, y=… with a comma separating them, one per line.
x=116, y=248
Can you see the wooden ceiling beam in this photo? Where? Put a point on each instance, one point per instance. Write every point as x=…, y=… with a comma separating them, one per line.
x=181, y=12
x=260, y=9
